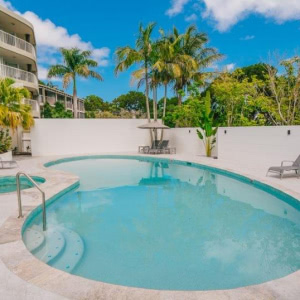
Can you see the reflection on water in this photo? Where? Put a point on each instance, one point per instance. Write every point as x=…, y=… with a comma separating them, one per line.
x=167, y=226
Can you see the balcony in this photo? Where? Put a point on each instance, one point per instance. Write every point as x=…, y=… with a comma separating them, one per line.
x=69, y=105
x=80, y=106
x=50, y=100
x=18, y=74
x=14, y=41
x=35, y=107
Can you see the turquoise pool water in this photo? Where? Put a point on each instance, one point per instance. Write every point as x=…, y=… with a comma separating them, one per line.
x=166, y=225
x=8, y=184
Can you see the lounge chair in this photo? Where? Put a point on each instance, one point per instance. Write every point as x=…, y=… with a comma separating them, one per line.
x=146, y=149
x=160, y=147
x=8, y=164
x=294, y=166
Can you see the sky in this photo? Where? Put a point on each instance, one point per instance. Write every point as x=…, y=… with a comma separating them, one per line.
x=244, y=31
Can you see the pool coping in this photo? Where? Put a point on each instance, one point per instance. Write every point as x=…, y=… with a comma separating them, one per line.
x=22, y=263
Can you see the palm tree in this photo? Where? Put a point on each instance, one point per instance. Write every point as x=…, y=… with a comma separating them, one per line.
x=192, y=44
x=76, y=63
x=141, y=54
x=13, y=113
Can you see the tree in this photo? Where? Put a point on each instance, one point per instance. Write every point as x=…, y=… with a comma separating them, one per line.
x=141, y=55
x=93, y=103
x=240, y=101
x=187, y=114
x=258, y=70
x=132, y=101
x=76, y=63
x=13, y=112
x=285, y=91
x=56, y=112
x=193, y=44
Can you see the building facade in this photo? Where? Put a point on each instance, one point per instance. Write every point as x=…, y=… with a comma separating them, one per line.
x=18, y=60
x=52, y=95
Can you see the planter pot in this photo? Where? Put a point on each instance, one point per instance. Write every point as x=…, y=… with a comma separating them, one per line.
x=7, y=156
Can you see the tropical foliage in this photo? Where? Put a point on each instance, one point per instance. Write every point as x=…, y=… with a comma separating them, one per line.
x=13, y=112
x=56, y=112
x=77, y=63
x=5, y=141
x=208, y=126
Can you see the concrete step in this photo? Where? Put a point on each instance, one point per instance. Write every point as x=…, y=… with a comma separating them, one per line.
x=73, y=251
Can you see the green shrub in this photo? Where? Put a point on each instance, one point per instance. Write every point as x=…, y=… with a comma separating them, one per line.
x=5, y=141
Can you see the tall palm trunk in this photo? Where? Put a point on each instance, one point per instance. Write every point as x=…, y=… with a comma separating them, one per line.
x=147, y=98
x=155, y=109
x=179, y=99
x=164, y=110
x=75, y=98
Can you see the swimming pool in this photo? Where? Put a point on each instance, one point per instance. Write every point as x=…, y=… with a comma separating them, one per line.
x=161, y=224
x=8, y=184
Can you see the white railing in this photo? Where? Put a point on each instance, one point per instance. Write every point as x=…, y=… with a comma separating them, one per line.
x=12, y=40
x=7, y=71
x=33, y=103
x=80, y=106
x=69, y=105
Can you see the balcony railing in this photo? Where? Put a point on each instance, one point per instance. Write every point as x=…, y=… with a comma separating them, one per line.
x=80, y=106
x=12, y=40
x=7, y=71
x=35, y=106
x=69, y=105
x=50, y=100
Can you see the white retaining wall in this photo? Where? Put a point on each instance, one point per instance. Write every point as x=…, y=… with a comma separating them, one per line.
x=89, y=136
x=259, y=145
x=86, y=136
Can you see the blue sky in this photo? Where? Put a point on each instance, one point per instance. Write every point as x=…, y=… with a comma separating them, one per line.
x=245, y=31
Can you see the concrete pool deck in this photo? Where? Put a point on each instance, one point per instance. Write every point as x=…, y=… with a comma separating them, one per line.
x=22, y=276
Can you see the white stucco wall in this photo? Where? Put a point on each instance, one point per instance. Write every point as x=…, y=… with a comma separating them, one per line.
x=257, y=145
x=86, y=136
x=260, y=145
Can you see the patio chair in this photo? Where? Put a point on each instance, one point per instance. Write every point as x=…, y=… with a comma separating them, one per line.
x=294, y=166
x=146, y=149
x=8, y=164
x=160, y=147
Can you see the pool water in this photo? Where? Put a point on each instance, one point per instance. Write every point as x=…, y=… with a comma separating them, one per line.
x=8, y=184
x=163, y=225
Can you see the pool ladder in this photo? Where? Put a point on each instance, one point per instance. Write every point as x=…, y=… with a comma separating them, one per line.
x=20, y=201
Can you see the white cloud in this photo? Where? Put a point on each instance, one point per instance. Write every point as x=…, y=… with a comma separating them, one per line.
x=230, y=67
x=6, y=4
x=42, y=72
x=227, y=13
x=191, y=18
x=177, y=7
x=50, y=36
x=248, y=37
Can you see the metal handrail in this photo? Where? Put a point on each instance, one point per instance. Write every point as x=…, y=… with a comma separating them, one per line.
x=19, y=196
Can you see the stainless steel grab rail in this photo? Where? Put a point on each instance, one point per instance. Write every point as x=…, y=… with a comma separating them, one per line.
x=20, y=201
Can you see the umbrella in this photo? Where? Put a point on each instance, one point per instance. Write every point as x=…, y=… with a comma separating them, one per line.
x=154, y=125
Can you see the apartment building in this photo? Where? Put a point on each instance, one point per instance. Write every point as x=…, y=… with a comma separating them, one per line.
x=52, y=95
x=18, y=60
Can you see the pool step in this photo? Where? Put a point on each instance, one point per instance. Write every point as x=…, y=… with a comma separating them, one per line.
x=33, y=239
x=54, y=244
x=73, y=251
x=59, y=247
